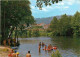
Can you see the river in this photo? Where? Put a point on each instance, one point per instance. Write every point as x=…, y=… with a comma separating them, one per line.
x=67, y=46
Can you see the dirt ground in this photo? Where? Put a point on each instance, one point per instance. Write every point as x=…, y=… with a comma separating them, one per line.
x=4, y=51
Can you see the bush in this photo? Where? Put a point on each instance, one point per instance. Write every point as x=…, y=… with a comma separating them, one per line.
x=56, y=54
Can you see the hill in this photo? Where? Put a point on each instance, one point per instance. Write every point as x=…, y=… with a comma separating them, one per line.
x=45, y=20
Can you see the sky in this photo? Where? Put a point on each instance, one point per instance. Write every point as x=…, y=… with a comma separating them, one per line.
x=69, y=7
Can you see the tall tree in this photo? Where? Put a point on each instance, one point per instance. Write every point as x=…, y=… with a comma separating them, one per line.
x=12, y=14
x=54, y=25
x=75, y=21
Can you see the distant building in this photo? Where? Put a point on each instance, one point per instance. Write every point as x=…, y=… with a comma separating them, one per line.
x=45, y=26
x=41, y=24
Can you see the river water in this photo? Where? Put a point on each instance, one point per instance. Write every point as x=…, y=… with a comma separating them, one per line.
x=67, y=46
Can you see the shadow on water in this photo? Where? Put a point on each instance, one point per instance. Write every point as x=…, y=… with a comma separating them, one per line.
x=68, y=46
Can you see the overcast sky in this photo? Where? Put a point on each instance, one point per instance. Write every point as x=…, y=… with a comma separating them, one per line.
x=68, y=7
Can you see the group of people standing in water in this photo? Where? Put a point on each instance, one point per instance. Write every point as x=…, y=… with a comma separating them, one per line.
x=45, y=47
x=49, y=47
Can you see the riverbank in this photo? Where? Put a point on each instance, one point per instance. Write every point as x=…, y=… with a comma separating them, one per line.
x=4, y=51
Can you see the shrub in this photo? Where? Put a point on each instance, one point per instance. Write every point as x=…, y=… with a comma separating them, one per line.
x=56, y=54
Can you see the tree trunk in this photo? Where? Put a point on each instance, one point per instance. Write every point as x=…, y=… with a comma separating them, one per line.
x=16, y=34
x=11, y=31
x=3, y=27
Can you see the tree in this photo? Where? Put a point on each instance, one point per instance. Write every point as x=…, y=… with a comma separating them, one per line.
x=54, y=25
x=75, y=22
x=40, y=3
x=36, y=33
x=12, y=14
x=62, y=26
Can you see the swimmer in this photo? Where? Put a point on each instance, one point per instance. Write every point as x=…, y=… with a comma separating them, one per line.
x=45, y=47
x=49, y=47
x=43, y=44
x=39, y=48
x=28, y=54
x=40, y=44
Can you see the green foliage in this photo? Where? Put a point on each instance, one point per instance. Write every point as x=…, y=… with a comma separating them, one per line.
x=36, y=33
x=40, y=3
x=56, y=54
x=30, y=33
x=54, y=23
x=75, y=22
x=49, y=34
x=66, y=25
x=15, y=14
x=43, y=33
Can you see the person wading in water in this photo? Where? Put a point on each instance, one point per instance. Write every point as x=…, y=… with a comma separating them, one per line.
x=28, y=54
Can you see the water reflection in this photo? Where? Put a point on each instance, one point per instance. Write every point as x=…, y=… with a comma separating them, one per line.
x=68, y=47
x=71, y=46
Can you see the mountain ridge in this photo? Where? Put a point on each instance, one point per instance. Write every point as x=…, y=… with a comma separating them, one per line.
x=46, y=20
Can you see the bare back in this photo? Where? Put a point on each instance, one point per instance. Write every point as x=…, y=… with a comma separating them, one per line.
x=28, y=55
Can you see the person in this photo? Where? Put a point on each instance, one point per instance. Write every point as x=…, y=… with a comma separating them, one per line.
x=4, y=42
x=13, y=54
x=10, y=55
x=12, y=51
x=40, y=44
x=17, y=54
x=9, y=41
x=39, y=48
x=49, y=47
x=28, y=54
x=43, y=44
x=45, y=47
x=14, y=42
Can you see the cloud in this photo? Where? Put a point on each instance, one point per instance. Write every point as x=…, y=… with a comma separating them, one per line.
x=44, y=9
x=61, y=7
x=49, y=7
x=66, y=7
x=70, y=2
x=60, y=3
x=78, y=1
